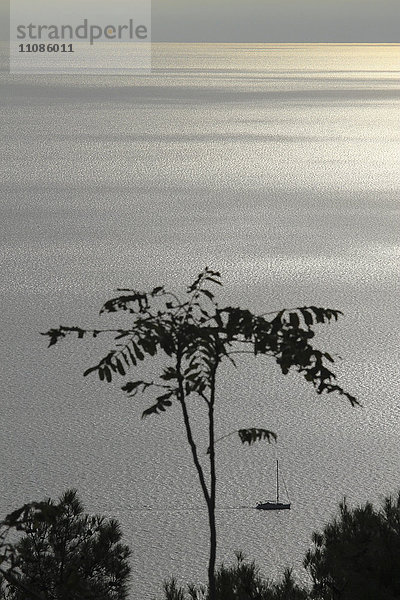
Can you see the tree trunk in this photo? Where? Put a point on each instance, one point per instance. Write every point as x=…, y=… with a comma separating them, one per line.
x=213, y=553
x=188, y=429
x=209, y=495
x=211, y=504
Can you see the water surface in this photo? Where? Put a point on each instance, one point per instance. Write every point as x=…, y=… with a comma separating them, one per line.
x=276, y=164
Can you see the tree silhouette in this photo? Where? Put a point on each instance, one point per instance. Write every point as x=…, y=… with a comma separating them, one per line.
x=357, y=556
x=195, y=335
x=62, y=554
x=241, y=581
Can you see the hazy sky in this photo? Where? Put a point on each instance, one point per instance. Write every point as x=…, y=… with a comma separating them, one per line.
x=268, y=20
x=277, y=20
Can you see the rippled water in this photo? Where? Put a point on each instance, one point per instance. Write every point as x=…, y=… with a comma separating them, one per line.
x=276, y=164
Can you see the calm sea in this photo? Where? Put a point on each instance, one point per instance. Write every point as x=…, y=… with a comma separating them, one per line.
x=277, y=165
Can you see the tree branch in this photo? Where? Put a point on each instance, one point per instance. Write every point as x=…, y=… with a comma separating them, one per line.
x=181, y=398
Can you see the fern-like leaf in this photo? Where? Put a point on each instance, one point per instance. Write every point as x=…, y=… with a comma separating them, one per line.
x=252, y=435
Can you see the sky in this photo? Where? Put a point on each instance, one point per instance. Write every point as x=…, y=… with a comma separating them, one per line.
x=277, y=20
x=263, y=20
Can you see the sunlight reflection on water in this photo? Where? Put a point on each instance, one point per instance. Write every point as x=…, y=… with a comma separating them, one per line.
x=278, y=165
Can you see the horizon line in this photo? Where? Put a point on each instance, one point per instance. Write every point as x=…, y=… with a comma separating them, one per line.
x=264, y=42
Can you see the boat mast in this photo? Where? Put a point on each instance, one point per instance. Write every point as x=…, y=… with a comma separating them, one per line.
x=277, y=481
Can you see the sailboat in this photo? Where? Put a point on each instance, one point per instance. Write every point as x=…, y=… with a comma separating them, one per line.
x=269, y=505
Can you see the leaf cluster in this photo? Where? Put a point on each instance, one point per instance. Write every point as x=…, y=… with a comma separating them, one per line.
x=197, y=334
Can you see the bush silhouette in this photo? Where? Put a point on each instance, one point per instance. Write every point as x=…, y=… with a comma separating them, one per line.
x=62, y=553
x=241, y=581
x=357, y=556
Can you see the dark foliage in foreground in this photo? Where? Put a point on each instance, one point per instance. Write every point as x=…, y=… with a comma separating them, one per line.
x=62, y=554
x=357, y=556
x=241, y=581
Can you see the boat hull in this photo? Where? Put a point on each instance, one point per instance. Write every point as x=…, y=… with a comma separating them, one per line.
x=272, y=506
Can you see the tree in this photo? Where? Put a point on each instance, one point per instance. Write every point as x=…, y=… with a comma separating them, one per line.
x=196, y=335
x=357, y=556
x=62, y=554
